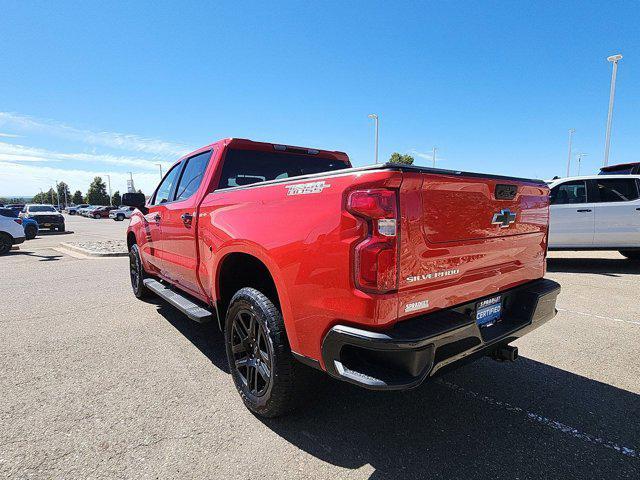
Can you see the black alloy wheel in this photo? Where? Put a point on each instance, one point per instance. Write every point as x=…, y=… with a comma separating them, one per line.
x=252, y=353
x=136, y=273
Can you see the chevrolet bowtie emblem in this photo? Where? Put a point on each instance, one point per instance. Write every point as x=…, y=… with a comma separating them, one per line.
x=504, y=218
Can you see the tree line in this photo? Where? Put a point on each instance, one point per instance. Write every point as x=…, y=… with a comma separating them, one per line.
x=96, y=195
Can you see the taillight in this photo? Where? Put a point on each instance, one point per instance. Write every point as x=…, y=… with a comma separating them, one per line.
x=376, y=255
x=18, y=220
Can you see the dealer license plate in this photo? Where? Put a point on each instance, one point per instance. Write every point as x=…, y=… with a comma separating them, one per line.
x=488, y=311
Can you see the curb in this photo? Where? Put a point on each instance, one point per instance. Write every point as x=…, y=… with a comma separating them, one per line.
x=92, y=253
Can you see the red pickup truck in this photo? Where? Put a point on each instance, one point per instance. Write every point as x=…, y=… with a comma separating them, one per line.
x=381, y=276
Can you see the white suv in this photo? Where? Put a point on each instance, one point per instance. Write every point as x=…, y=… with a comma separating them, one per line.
x=599, y=212
x=121, y=213
x=11, y=233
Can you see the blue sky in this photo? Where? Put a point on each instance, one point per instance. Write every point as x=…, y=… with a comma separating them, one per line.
x=107, y=89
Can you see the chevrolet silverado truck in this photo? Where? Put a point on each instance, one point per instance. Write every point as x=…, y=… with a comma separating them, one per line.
x=382, y=276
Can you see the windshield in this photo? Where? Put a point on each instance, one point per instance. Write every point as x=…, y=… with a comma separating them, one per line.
x=620, y=171
x=41, y=208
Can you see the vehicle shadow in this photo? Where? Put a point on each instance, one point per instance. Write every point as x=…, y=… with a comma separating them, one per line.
x=598, y=266
x=484, y=420
x=43, y=258
x=47, y=233
x=206, y=337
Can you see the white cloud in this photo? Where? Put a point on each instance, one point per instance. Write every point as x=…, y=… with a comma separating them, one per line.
x=9, y=135
x=121, y=141
x=10, y=152
x=19, y=179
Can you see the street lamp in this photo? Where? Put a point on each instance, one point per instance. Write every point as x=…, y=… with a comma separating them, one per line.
x=433, y=157
x=580, y=155
x=375, y=119
x=110, y=199
x=613, y=59
x=160, y=166
x=571, y=132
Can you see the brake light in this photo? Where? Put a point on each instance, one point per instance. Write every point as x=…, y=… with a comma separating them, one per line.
x=376, y=255
x=18, y=221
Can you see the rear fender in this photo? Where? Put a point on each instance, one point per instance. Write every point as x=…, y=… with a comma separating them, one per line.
x=261, y=254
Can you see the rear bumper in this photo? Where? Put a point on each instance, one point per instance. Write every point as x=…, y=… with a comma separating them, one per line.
x=404, y=356
x=18, y=240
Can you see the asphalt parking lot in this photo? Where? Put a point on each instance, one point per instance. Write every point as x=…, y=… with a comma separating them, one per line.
x=97, y=384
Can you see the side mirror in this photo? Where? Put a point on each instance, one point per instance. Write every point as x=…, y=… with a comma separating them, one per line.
x=135, y=200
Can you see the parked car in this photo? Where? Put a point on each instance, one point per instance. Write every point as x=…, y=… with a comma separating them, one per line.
x=596, y=213
x=17, y=207
x=121, y=213
x=11, y=233
x=45, y=215
x=29, y=225
x=80, y=211
x=379, y=276
x=87, y=210
x=621, y=169
x=102, y=212
x=74, y=210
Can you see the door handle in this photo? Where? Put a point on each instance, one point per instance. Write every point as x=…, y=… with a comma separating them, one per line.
x=581, y=210
x=638, y=209
x=186, y=218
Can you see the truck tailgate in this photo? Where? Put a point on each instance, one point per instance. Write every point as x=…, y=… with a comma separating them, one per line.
x=467, y=236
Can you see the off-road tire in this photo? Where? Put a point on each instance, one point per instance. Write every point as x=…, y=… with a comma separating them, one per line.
x=288, y=379
x=137, y=274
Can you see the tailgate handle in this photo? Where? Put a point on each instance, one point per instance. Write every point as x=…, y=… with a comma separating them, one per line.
x=581, y=210
x=505, y=192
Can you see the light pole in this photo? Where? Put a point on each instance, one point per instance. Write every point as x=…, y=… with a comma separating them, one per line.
x=613, y=59
x=571, y=132
x=580, y=155
x=160, y=166
x=109, y=180
x=433, y=157
x=58, y=193
x=375, y=119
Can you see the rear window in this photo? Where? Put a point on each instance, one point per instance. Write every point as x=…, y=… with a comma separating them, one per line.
x=41, y=208
x=244, y=167
x=7, y=212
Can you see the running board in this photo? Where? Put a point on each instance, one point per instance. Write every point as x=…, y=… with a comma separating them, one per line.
x=179, y=300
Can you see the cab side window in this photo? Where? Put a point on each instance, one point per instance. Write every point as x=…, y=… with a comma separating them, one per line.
x=617, y=189
x=166, y=186
x=192, y=175
x=569, y=193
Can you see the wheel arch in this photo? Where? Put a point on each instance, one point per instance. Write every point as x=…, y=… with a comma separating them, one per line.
x=244, y=267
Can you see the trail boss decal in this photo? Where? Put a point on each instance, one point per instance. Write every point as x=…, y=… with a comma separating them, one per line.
x=429, y=276
x=306, y=188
